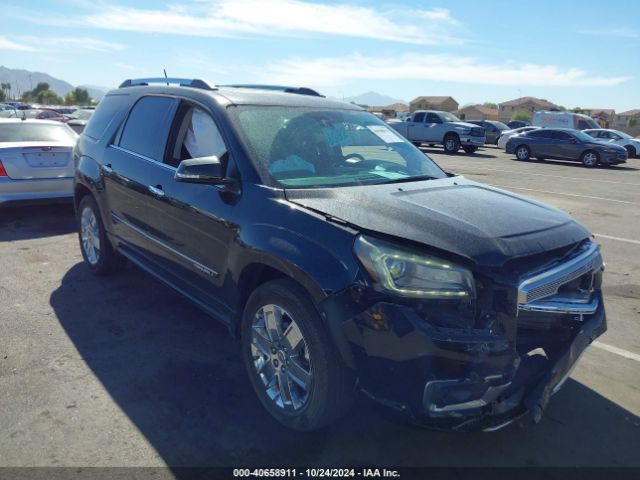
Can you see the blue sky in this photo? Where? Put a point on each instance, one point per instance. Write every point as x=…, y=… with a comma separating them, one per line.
x=574, y=53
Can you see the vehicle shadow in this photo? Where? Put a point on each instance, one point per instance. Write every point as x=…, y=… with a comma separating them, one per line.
x=179, y=378
x=577, y=165
x=36, y=221
x=477, y=154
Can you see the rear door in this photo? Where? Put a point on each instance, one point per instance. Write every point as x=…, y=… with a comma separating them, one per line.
x=127, y=165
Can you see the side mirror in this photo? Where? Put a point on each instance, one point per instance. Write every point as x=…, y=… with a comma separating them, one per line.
x=202, y=170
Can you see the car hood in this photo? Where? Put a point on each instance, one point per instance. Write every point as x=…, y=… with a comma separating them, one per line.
x=483, y=224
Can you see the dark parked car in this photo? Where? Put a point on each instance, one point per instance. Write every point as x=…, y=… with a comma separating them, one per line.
x=513, y=124
x=340, y=255
x=79, y=118
x=492, y=129
x=565, y=144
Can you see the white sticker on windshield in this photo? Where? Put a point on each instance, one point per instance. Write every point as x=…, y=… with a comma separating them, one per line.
x=385, y=134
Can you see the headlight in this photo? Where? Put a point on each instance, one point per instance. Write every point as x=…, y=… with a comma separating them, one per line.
x=465, y=131
x=413, y=274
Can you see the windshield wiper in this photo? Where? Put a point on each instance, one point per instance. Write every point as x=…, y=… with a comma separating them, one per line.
x=415, y=178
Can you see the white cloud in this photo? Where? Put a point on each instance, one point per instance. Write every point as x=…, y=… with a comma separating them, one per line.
x=619, y=32
x=73, y=44
x=229, y=18
x=6, y=44
x=335, y=71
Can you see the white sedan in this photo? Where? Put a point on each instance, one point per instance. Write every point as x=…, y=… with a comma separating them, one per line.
x=35, y=160
x=507, y=134
x=619, y=138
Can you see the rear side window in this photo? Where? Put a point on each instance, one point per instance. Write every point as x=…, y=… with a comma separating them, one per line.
x=111, y=107
x=561, y=135
x=148, y=126
x=419, y=117
x=537, y=134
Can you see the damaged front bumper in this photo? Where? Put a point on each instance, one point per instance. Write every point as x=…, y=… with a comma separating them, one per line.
x=477, y=378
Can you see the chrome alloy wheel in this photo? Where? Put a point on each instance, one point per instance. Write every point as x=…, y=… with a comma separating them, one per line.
x=90, y=235
x=522, y=153
x=281, y=357
x=450, y=144
x=590, y=159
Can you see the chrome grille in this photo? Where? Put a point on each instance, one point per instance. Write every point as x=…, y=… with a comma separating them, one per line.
x=546, y=284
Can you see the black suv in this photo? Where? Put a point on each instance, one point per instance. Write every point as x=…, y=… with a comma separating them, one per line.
x=565, y=144
x=342, y=256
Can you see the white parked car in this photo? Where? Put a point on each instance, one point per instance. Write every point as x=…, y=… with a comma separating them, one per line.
x=35, y=160
x=507, y=134
x=619, y=138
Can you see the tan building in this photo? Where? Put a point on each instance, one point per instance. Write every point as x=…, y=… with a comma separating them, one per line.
x=477, y=112
x=390, y=111
x=524, y=104
x=446, y=104
x=630, y=118
x=604, y=116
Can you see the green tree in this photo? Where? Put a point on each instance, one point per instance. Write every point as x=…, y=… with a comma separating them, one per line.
x=4, y=94
x=490, y=105
x=42, y=94
x=633, y=122
x=78, y=96
x=521, y=115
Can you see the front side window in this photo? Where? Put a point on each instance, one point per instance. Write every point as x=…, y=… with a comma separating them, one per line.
x=299, y=147
x=433, y=118
x=148, y=125
x=564, y=136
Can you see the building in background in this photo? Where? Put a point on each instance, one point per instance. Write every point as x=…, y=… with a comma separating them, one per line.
x=604, y=116
x=477, y=112
x=391, y=111
x=445, y=104
x=528, y=105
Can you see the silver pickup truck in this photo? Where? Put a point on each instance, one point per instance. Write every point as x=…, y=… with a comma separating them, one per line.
x=433, y=127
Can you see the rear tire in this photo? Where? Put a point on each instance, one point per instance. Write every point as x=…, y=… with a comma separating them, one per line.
x=451, y=143
x=523, y=153
x=299, y=376
x=97, y=252
x=470, y=149
x=590, y=159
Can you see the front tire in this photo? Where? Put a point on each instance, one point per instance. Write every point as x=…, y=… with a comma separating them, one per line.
x=292, y=362
x=590, y=159
x=523, y=153
x=451, y=143
x=97, y=252
x=631, y=151
x=470, y=149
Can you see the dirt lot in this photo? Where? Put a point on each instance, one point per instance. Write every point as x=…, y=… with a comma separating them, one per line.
x=121, y=371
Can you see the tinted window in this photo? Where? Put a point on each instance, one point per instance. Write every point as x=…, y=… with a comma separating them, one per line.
x=36, y=132
x=538, y=134
x=433, y=118
x=148, y=125
x=111, y=108
x=419, y=117
x=561, y=136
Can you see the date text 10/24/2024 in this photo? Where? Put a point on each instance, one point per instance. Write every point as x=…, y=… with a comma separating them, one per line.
x=315, y=473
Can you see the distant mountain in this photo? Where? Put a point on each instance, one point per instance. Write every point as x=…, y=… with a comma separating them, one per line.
x=23, y=80
x=374, y=99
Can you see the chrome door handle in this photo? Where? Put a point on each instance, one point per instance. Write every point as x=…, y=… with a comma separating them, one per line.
x=156, y=190
x=107, y=168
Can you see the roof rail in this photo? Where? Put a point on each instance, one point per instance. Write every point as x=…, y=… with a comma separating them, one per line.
x=183, y=82
x=278, y=88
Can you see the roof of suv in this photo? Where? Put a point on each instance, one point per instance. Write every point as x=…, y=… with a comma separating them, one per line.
x=237, y=94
